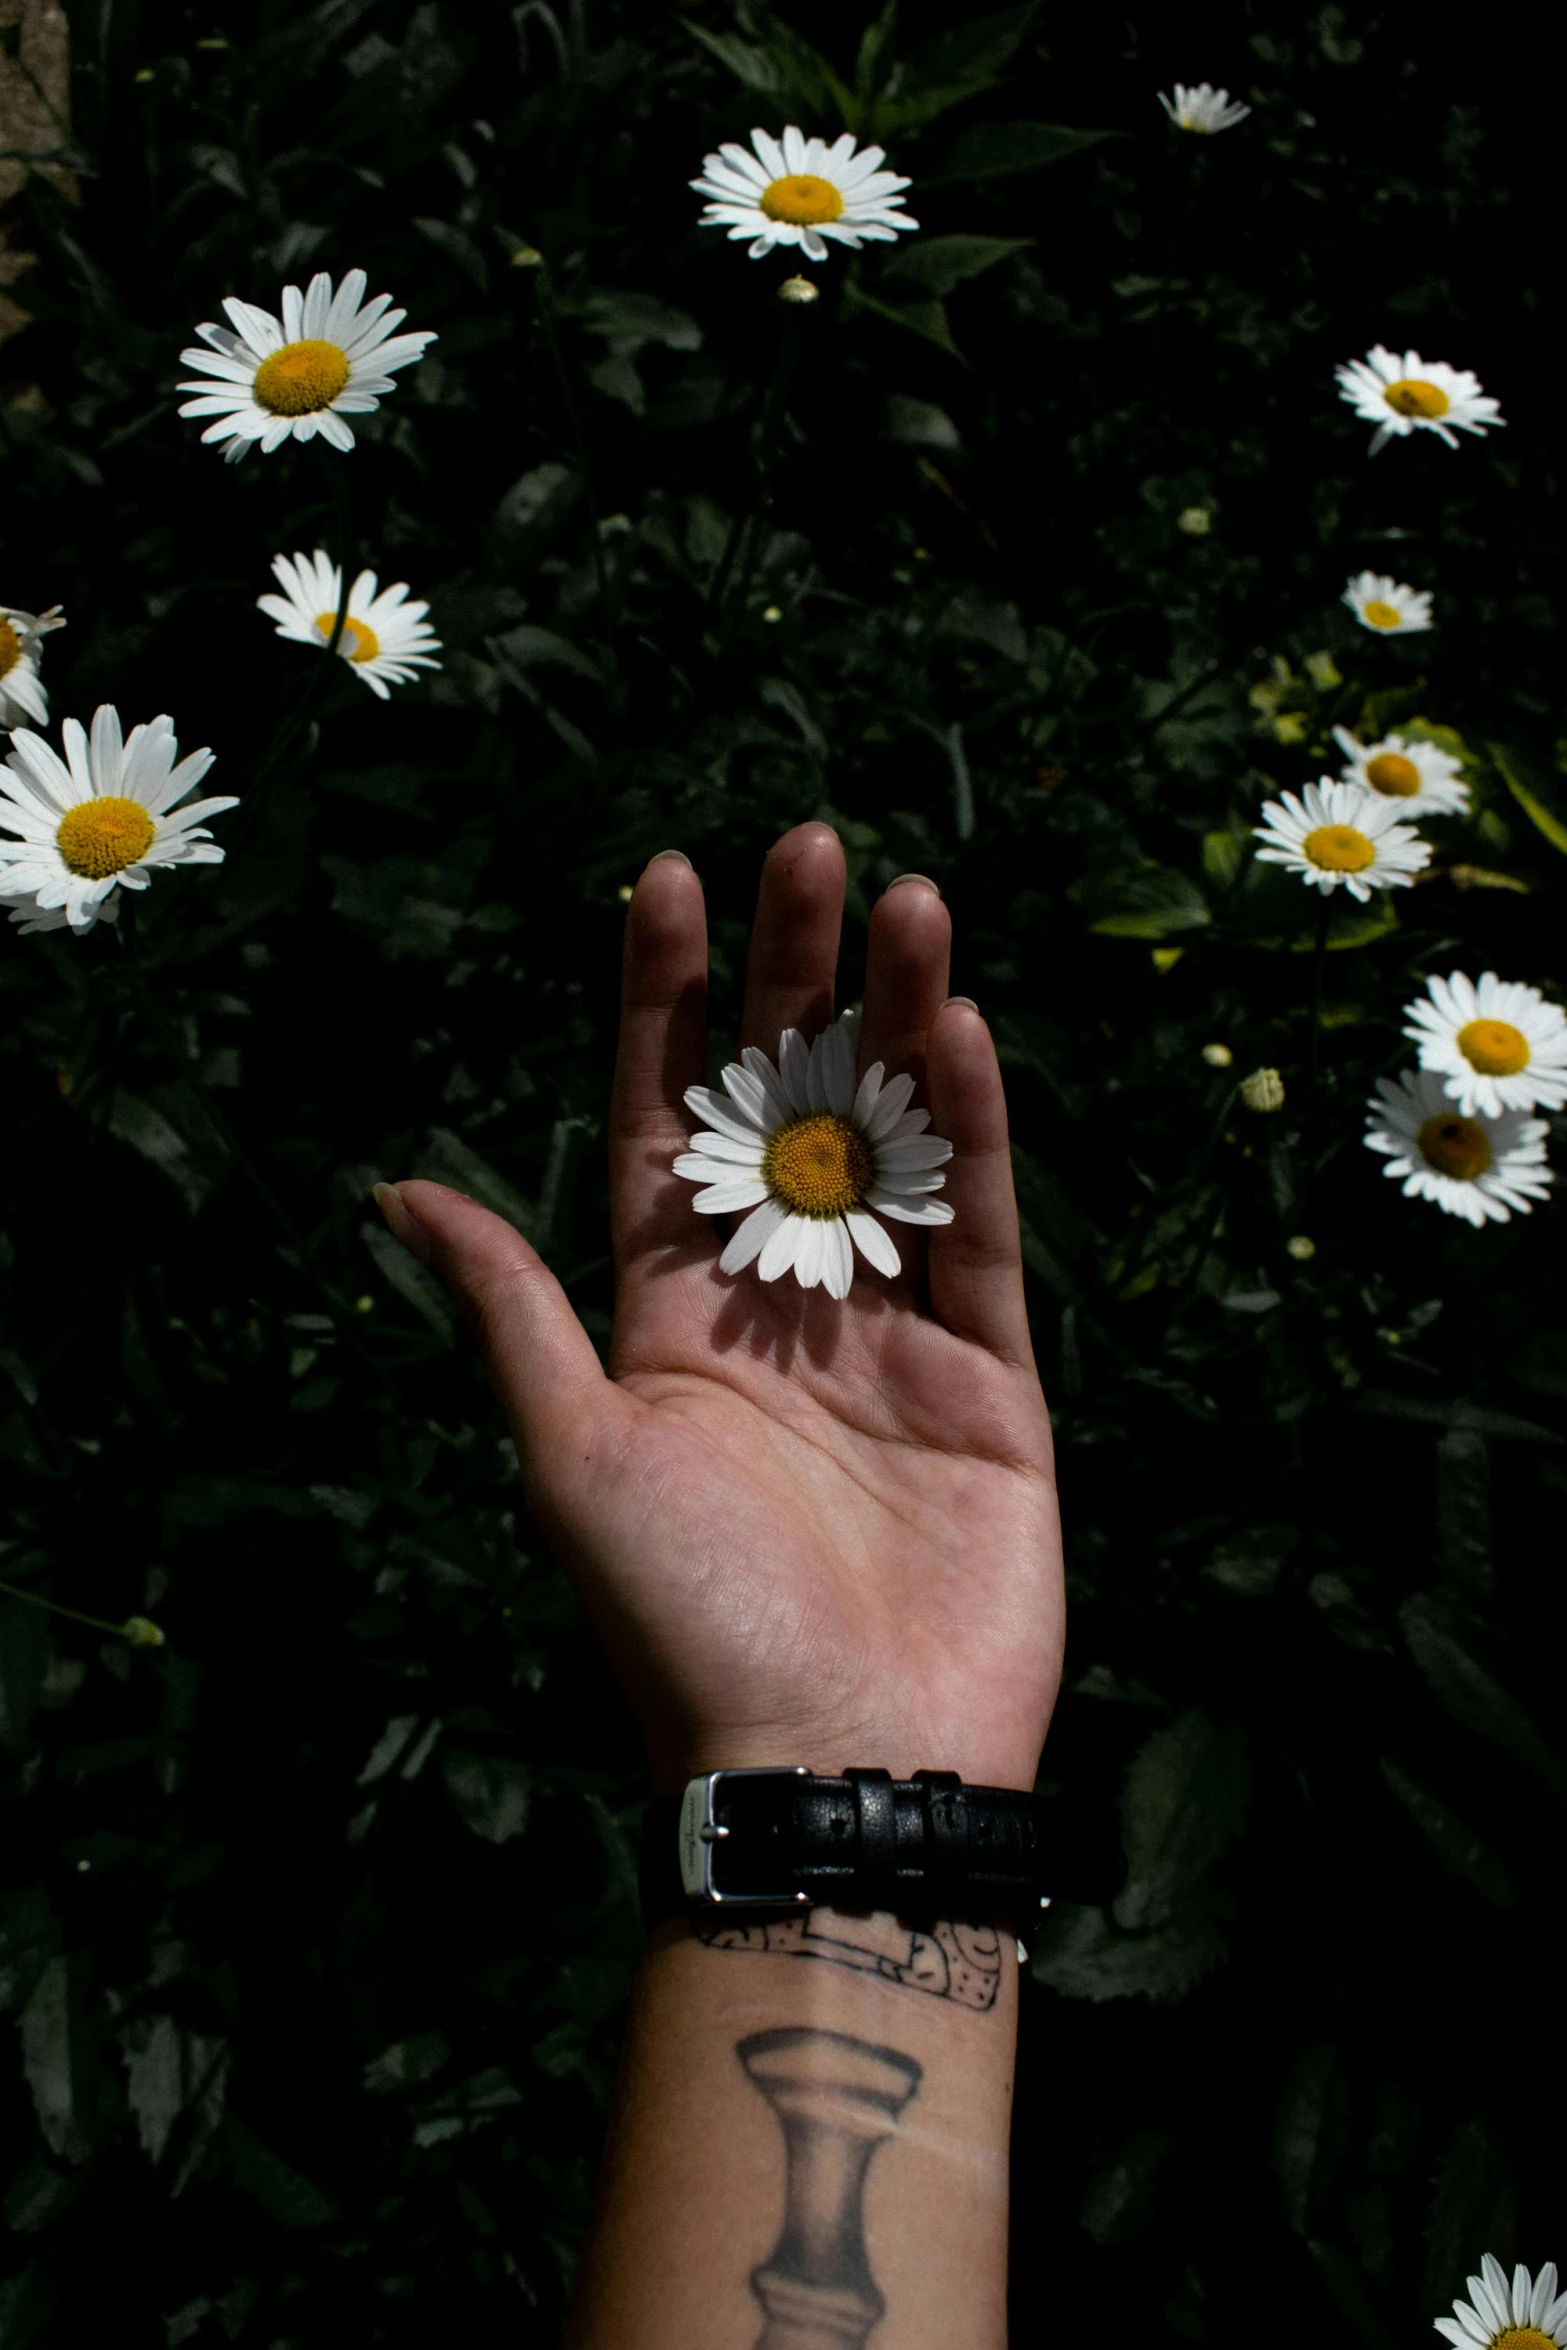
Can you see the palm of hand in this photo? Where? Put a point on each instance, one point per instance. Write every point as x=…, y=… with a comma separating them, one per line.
x=807, y=1531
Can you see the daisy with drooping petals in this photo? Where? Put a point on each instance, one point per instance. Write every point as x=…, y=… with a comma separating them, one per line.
x=21, y=641
x=385, y=637
x=99, y=819
x=1386, y=606
x=1483, y=1169
x=1429, y=781
x=1202, y=108
x=328, y=357
x=1529, y=2314
x=815, y=1159
x=1338, y=835
x=1405, y=394
x=1499, y=1046
x=799, y=191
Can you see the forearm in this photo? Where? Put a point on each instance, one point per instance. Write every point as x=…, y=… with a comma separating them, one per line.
x=810, y=2144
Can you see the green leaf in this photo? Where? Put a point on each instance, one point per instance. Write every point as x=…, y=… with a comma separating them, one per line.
x=290, y=2197
x=1186, y=1795
x=490, y=1792
x=446, y=1158
x=1458, y=1849
x=421, y=1289
x=970, y=53
x=939, y=264
x=926, y=319
x=1471, y=1694
x=55, y=2060
x=24, y=1657
x=167, y=2070
x=1141, y=901
x=986, y=150
x=1544, y=819
x=1081, y=1955
x=1310, y=2130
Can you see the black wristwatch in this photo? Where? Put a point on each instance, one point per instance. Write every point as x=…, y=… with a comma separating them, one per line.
x=787, y=1838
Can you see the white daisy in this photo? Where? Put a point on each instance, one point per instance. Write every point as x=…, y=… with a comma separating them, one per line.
x=386, y=637
x=1429, y=781
x=99, y=819
x=1340, y=834
x=1386, y=605
x=301, y=374
x=1405, y=394
x=811, y=1154
x=1483, y=1169
x=799, y=191
x=1202, y=108
x=1529, y=2314
x=1499, y=1046
x=21, y=635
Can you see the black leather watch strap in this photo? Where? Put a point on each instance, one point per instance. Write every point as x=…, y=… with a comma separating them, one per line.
x=782, y=1839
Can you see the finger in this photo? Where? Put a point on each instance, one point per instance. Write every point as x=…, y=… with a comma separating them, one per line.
x=663, y=1049
x=540, y=1359
x=976, y=1261
x=907, y=974
x=794, y=940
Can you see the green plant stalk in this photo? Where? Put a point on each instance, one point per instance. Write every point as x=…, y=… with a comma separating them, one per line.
x=57, y=1607
x=745, y=529
x=1318, y=963
x=544, y=311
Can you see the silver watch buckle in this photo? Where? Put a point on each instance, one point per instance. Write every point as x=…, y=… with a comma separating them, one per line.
x=700, y=1831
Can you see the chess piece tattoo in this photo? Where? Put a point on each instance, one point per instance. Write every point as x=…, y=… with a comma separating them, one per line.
x=836, y=2100
x=951, y=1961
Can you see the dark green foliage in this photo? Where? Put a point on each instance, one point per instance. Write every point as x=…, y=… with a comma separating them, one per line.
x=318, y=1921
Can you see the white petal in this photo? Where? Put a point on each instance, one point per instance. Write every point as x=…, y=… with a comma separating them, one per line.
x=890, y=1106
x=748, y=1242
x=794, y=1057
x=720, y=1146
x=730, y=1198
x=919, y=1150
x=721, y=1115
x=837, y=1259
x=904, y=1209
x=875, y=1243
x=865, y=1098
x=809, y=1253
x=837, y=1043
x=778, y=1250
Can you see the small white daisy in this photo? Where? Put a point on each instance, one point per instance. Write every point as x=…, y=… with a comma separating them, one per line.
x=1402, y=394
x=98, y=820
x=1386, y=605
x=799, y=191
x=295, y=376
x=1499, y=1046
x=811, y=1155
x=1202, y=108
x=386, y=637
x=1529, y=2314
x=1429, y=781
x=22, y=696
x=1483, y=1169
x=1341, y=835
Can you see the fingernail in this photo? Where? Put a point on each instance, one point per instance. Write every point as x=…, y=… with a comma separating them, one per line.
x=923, y=879
x=678, y=855
x=401, y=1221
x=967, y=1001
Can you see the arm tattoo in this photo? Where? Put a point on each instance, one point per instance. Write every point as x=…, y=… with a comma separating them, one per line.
x=949, y=1961
x=836, y=2100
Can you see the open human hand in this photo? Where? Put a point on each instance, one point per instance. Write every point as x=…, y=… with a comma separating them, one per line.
x=807, y=1531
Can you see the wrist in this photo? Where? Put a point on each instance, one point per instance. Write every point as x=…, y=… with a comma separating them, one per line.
x=980, y=1757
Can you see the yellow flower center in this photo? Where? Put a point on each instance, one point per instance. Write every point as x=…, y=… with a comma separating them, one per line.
x=1455, y=1146
x=819, y=1166
x=357, y=642
x=1495, y=1047
x=301, y=378
x=10, y=648
x=1339, y=848
x=1523, y=2338
x=104, y=836
x=1413, y=396
x=802, y=198
x=1396, y=777
x=1382, y=615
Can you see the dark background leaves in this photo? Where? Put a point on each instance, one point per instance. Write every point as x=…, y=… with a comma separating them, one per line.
x=318, y=1921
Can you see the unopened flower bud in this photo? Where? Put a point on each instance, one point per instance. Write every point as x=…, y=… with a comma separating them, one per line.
x=1196, y=521
x=1263, y=1090
x=1301, y=1247
x=799, y=289
x=526, y=257
x=1217, y=1056
x=141, y=1632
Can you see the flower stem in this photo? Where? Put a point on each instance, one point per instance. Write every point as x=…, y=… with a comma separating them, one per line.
x=57, y=1607
x=544, y=310
x=746, y=529
x=1318, y=962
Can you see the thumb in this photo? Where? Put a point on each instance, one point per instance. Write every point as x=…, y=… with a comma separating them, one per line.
x=541, y=1361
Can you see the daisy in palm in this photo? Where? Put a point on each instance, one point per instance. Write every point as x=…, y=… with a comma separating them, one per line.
x=99, y=820
x=22, y=697
x=270, y=379
x=1484, y=1169
x=385, y=636
x=1403, y=393
x=1428, y=781
x=1341, y=836
x=1386, y=605
x=800, y=191
x=811, y=1159
x=1203, y=109
x=1498, y=1045
x=1527, y=2314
